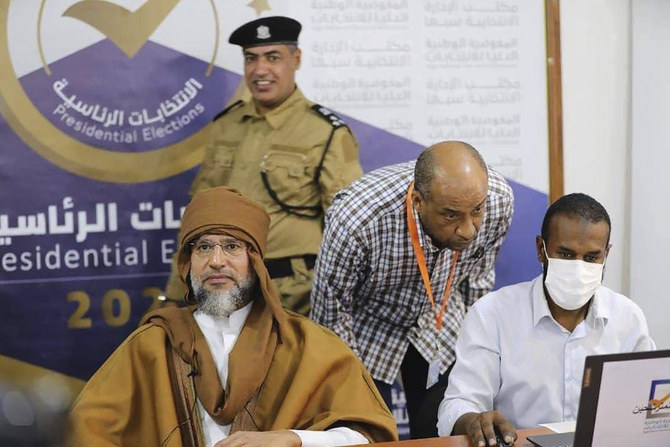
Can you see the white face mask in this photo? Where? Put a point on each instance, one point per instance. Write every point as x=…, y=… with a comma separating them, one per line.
x=571, y=283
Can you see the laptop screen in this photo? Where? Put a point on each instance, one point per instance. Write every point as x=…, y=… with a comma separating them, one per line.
x=625, y=400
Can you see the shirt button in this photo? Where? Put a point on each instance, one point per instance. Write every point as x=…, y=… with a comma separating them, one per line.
x=303, y=278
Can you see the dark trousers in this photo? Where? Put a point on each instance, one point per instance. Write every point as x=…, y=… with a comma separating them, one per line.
x=422, y=403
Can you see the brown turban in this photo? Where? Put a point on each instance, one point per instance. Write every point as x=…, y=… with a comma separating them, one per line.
x=216, y=209
x=224, y=210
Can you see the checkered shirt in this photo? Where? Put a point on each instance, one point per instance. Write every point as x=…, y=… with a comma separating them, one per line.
x=367, y=285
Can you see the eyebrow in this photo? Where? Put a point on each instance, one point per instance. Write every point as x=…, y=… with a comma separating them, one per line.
x=483, y=202
x=267, y=53
x=569, y=250
x=449, y=210
x=222, y=240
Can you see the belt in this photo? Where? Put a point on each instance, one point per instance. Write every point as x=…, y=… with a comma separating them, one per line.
x=280, y=268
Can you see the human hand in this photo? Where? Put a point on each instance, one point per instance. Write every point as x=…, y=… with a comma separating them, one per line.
x=482, y=428
x=280, y=438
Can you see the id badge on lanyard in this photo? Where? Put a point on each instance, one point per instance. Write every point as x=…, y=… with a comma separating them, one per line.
x=434, y=365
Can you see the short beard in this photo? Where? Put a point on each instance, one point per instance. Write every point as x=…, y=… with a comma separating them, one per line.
x=223, y=303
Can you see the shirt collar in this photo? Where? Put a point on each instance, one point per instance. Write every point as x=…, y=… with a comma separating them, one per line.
x=540, y=306
x=230, y=324
x=278, y=116
x=597, y=309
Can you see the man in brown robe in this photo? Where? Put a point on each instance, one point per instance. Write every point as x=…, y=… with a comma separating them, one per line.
x=234, y=368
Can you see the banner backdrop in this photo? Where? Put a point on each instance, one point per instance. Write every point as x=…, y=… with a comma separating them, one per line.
x=105, y=109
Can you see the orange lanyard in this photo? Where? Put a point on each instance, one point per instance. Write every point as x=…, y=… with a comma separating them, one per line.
x=421, y=261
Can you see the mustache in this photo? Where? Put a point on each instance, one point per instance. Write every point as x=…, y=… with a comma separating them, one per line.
x=225, y=272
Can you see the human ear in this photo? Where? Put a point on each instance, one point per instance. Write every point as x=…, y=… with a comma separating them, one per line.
x=607, y=250
x=539, y=246
x=297, y=54
x=417, y=200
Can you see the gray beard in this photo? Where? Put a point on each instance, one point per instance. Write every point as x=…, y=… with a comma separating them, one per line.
x=225, y=302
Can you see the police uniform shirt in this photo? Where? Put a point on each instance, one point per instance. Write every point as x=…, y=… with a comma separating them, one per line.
x=288, y=144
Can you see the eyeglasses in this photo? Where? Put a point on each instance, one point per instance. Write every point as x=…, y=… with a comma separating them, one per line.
x=232, y=248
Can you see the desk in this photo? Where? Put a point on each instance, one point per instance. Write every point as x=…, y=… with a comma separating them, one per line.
x=464, y=441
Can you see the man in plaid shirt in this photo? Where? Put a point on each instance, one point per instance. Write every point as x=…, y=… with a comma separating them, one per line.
x=368, y=284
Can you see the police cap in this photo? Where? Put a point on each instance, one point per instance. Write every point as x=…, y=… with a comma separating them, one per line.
x=266, y=31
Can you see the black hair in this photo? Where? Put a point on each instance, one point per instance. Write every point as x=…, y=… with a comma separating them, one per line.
x=423, y=172
x=577, y=205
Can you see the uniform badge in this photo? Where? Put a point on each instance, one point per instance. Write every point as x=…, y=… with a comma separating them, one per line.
x=263, y=32
x=334, y=120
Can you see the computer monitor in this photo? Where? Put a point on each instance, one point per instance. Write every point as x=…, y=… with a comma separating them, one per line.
x=625, y=401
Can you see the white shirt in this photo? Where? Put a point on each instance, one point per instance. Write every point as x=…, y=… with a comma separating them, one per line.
x=221, y=335
x=512, y=356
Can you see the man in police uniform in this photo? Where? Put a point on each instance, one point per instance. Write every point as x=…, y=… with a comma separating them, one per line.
x=281, y=150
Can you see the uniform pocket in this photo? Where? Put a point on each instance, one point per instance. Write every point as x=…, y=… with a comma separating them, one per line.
x=217, y=165
x=290, y=173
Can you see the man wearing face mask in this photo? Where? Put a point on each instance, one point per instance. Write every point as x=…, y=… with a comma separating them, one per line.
x=521, y=350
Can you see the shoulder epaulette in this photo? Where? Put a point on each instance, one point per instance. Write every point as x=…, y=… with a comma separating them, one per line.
x=328, y=115
x=313, y=211
x=227, y=109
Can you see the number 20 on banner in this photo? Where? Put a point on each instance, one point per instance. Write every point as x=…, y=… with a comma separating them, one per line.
x=115, y=307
